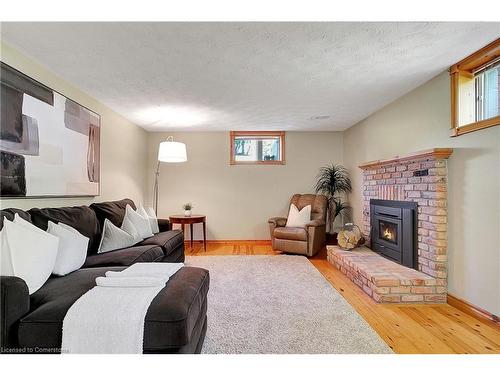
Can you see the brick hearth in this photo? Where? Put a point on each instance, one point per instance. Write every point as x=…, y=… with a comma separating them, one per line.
x=384, y=280
x=420, y=178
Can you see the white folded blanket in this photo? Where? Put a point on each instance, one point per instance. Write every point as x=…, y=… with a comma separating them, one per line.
x=163, y=270
x=110, y=317
x=108, y=320
x=130, y=282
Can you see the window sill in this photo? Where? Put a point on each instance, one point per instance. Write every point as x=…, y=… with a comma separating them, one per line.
x=472, y=127
x=276, y=162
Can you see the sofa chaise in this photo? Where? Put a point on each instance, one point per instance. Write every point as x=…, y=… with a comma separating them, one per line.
x=176, y=319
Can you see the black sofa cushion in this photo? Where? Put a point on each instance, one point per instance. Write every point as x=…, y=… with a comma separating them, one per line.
x=82, y=218
x=168, y=241
x=125, y=257
x=9, y=213
x=113, y=211
x=170, y=319
x=176, y=256
x=164, y=225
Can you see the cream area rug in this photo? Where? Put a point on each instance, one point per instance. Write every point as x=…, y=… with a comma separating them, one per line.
x=279, y=304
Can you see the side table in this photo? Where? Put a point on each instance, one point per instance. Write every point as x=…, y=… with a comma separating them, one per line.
x=193, y=219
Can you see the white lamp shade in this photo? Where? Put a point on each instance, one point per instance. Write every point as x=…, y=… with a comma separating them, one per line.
x=172, y=152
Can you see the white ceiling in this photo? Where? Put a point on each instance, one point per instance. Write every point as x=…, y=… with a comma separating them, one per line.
x=247, y=76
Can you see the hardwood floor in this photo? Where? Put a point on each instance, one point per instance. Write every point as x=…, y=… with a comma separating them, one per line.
x=409, y=329
x=231, y=248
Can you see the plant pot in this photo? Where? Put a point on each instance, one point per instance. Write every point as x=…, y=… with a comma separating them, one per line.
x=187, y=213
x=331, y=238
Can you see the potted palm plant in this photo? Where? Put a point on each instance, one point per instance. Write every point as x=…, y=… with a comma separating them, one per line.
x=334, y=182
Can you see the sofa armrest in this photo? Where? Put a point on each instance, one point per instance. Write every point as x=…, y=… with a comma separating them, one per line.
x=277, y=221
x=14, y=304
x=315, y=223
x=164, y=225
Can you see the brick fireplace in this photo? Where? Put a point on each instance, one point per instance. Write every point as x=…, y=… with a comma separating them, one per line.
x=419, y=178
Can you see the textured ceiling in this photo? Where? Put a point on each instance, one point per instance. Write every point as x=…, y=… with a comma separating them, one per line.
x=249, y=76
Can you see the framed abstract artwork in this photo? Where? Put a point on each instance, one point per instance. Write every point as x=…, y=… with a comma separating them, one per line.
x=49, y=144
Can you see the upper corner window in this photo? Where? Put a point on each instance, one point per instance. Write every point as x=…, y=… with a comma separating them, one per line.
x=264, y=147
x=475, y=91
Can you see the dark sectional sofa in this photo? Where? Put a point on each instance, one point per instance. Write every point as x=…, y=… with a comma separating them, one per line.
x=175, y=322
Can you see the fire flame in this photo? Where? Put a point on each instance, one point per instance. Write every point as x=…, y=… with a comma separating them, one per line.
x=388, y=234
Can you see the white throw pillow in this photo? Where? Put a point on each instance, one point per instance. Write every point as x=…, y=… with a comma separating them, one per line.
x=114, y=238
x=72, y=249
x=140, y=223
x=298, y=218
x=129, y=227
x=6, y=268
x=149, y=213
x=28, y=252
x=68, y=227
x=153, y=220
x=19, y=220
x=141, y=211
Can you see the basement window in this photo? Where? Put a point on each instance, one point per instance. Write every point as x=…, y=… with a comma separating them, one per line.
x=257, y=147
x=486, y=90
x=475, y=91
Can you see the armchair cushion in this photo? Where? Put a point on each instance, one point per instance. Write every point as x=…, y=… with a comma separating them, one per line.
x=291, y=233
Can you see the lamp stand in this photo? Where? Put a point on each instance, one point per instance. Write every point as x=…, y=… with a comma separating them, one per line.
x=155, y=189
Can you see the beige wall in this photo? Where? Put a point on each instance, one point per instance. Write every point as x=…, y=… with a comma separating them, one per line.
x=421, y=120
x=238, y=199
x=123, y=144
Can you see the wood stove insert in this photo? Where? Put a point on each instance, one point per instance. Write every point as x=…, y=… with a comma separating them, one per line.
x=393, y=231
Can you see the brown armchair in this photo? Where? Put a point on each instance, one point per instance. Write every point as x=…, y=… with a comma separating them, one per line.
x=308, y=240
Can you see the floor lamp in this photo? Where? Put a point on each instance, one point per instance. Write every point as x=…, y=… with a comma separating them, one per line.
x=168, y=152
